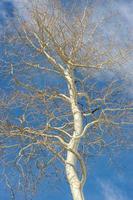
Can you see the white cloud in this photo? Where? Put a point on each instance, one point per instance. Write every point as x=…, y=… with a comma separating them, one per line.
x=126, y=11
x=111, y=192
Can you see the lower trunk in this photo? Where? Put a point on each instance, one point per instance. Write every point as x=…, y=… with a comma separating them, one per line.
x=74, y=183
x=71, y=172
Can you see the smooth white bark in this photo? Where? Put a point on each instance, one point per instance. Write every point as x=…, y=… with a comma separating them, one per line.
x=71, y=161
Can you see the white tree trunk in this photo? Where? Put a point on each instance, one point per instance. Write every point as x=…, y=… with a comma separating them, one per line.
x=72, y=177
x=71, y=161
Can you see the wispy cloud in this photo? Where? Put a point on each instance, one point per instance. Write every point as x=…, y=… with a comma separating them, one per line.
x=126, y=11
x=111, y=192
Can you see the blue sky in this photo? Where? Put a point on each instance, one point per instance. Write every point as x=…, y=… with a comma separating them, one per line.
x=107, y=180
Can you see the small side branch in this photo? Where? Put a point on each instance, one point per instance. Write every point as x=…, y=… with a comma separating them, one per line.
x=86, y=127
